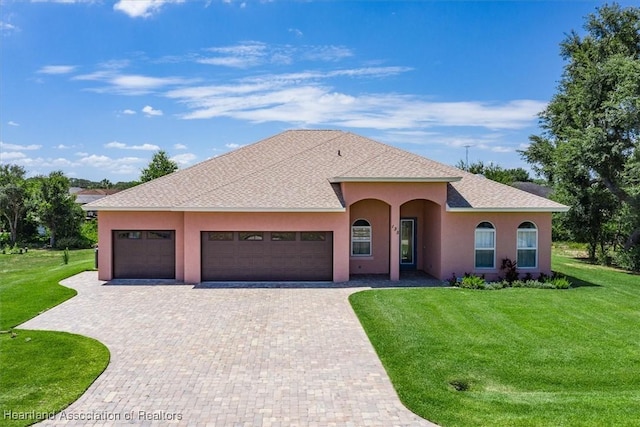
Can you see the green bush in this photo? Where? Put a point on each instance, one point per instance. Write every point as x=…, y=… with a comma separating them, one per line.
x=473, y=282
x=560, y=283
x=89, y=230
x=78, y=242
x=629, y=260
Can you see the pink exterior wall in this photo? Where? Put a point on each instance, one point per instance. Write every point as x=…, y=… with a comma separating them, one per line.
x=109, y=221
x=195, y=222
x=395, y=194
x=458, y=254
x=377, y=213
x=445, y=239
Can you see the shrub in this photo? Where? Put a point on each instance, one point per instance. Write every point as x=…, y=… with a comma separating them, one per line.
x=78, y=242
x=509, y=267
x=473, y=282
x=453, y=280
x=629, y=259
x=560, y=283
x=89, y=230
x=65, y=256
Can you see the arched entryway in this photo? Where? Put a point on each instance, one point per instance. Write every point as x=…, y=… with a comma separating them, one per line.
x=420, y=236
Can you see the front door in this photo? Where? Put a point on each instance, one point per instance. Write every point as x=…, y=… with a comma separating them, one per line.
x=408, y=243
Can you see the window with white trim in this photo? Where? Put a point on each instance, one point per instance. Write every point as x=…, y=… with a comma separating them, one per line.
x=485, y=245
x=361, y=238
x=527, y=245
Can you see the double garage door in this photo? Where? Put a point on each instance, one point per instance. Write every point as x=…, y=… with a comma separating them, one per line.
x=227, y=255
x=234, y=255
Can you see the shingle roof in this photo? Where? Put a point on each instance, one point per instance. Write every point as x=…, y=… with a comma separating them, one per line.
x=298, y=170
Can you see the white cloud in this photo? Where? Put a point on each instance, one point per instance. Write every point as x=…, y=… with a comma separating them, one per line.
x=296, y=32
x=129, y=84
x=6, y=27
x=12, y=123
x=63, y=147
x=304, y=99
x=57, y=69
x=121, y=166
x=128, y=112
x=243, y=55
x=184, y=159
x=326, y=53
x=15, y=147
x=232, y=145
x=142, y=8
x=149, y=111
x=252, y=53
x=179, y=146
x=12, y=155
x=122, y=146
x=502, y=149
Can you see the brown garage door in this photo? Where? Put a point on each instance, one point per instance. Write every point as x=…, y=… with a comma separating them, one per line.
x=267, y=256
x=144, y=254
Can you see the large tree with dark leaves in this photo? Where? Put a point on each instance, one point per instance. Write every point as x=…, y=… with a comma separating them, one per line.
x=57, y=209
x=13, y=197
x=590, y=148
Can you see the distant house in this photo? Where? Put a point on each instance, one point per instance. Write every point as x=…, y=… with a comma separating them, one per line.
x=533, y=188
x=320, y=205
x=84, y=196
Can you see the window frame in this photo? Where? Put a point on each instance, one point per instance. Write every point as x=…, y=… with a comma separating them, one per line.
x=533, y=249
x=366, y=239
x=486, y=249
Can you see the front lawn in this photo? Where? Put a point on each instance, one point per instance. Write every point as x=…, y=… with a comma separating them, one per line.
x=514, y=357
x=41, y=371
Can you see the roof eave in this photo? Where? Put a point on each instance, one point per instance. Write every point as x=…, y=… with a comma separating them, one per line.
x=259, y=209
x=394, y=179
x=88, y=207
x=210, y=209
x=511, y=209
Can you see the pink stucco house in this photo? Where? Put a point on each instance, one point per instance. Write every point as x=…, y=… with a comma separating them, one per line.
x=320, y=205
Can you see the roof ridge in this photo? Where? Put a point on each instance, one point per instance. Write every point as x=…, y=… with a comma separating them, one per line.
x=414, y=158
x=270, y=165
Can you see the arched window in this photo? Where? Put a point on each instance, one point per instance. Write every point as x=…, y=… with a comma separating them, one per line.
x=527, y=245
x=485, y=245
x=361, y=238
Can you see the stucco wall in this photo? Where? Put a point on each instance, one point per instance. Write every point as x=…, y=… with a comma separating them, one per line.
x=446, y=239
x=109, y=221
x=376, y=212
x=458, y=254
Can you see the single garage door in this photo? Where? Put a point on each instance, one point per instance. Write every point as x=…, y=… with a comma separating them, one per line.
x=144, y=254
x=267, y=256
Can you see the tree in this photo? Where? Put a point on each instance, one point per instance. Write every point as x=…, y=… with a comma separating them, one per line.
x=57, y=209
x=160, y=165
x=496, y=172
x=590, y=147
x=13, y=197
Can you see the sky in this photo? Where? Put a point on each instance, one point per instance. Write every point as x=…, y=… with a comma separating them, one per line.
x=95, y=87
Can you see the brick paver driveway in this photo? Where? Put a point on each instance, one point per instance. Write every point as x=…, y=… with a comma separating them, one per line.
x=226, y=357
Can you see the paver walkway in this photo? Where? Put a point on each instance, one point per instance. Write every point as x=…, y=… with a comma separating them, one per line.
x=226, y=357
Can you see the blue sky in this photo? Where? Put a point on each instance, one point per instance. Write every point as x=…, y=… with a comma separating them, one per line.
x=94, y=88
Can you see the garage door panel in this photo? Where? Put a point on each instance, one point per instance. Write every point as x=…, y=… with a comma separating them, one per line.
x=278, y=256
x=144, y=254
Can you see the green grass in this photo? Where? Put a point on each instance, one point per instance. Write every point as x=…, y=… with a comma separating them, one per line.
x=528, y=357
x=42, y=371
